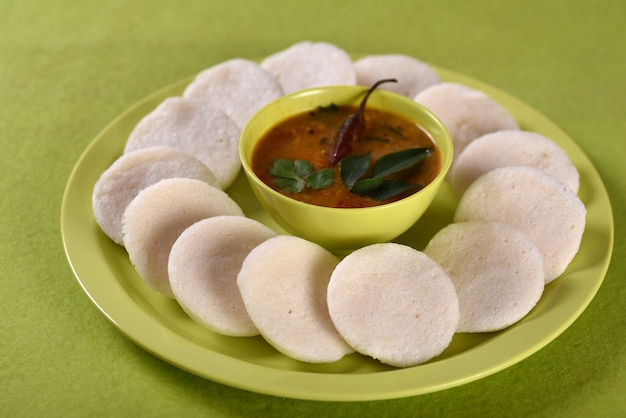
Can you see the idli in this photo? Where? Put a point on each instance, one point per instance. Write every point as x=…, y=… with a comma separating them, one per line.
x=283, y=286
x=195, y=127
x=512, y=148
x=310, y=64
x=393, y=303
x=238, y=87
x=155, y=218
x=203, y=267
x=412, y=74
x=497, y=272
x=133, y=172
x=537, y=204
x=465, y=112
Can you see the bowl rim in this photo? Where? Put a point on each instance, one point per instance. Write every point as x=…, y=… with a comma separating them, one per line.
x=445, y=136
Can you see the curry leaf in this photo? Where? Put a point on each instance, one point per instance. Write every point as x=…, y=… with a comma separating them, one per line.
x=381, y=189
x=397, y=161
x=353, y=168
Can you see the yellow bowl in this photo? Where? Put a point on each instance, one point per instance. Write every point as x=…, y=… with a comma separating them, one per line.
x=342, y=230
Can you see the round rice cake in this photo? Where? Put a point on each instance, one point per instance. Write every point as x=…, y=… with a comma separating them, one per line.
x=310, y=64
x=195, y=127
x=466, y=113
x=283, y=286
x=238, y=87
x=155, y=218
x=393, y=303
x=203, y=266
x=512, y=148
x=497, y=272
x=413, y=75
x=537, y=204
x=135, y=171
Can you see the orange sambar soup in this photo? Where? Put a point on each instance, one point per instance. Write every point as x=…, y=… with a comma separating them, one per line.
x=308, y=135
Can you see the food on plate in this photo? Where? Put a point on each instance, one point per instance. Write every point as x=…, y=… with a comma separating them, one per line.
x=537, y=204
x=203, y=266
x=467, y=113
x=346, y=157
x=393, y=303
x=195, y=127
x=133, y=172
x=283, y=285
x=310, y=64
x=412, y=74
x=155, y=218
x=497, y=272
x=517, y=227
x=512, y=148
x=238, y=87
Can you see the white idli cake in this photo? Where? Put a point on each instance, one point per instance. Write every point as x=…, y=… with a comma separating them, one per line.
x=155, y=218
x=412, y=74
x=135, y=171
x=512, y=148
x=465, y=112
x=537, y=204
x=310, y=64
x=283, y=285
x=238, y=87
x=195, y=127
x=497, y=272
x=393, y=303
x=203, y=266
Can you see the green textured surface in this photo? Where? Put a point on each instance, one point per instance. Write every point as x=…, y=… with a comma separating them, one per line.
x=68, y=68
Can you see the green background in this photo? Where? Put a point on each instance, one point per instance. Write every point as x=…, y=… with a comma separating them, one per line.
x=69, y=67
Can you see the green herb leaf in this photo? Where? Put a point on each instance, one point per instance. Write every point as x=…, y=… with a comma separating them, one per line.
x=381, y=189
x=397, y=161
x=290, y=185
x=353, y=168
x=303, y=168
x=293, y=177
x=320, y=179
x=282, y=167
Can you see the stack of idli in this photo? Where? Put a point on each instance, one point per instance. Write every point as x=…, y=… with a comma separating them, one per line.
x=393, y=303
x=238, y=87
x=203, y=266
x=512, y=148
x=135, y=171
x=283, y=284
x=465, y=112
x=497, y=272
x=155, y=218
x=310, y=64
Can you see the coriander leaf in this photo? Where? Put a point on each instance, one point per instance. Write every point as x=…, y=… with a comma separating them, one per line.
x=282, y=167
x=381, y=189
x=294, y=177
x=353, y=168
x=303, y=168
x=291, y=185
x=320, y=179
x=397, y=161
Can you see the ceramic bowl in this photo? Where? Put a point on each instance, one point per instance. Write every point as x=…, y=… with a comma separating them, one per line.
x=342, y=230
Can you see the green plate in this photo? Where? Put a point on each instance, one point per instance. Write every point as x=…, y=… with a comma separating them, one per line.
x=160, y=326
